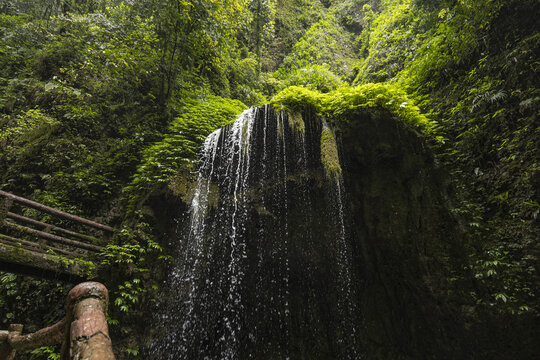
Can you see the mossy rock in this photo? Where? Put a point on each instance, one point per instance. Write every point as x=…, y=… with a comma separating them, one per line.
x=329, y=153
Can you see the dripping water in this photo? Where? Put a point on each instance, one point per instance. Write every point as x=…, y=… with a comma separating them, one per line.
x=264, y=270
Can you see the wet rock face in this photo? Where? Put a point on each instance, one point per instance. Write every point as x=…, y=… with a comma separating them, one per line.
x=405, y=238
x=289, y=254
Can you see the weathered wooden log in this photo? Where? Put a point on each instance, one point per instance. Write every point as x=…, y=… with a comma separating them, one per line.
x=15, y=257
x=89, y=334
x=7, y=351
x=50, y=227
x=55, y=212
x=9, y=240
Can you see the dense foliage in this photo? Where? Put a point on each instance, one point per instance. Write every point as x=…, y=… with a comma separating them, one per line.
x=335, y=105
x=179, y=148
x=105, y=102
x=480, y=87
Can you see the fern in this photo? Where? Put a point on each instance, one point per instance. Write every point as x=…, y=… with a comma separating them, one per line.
x=489, y=97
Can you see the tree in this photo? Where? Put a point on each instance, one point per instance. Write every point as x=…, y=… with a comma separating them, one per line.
x=194, y=36
x=264, y=16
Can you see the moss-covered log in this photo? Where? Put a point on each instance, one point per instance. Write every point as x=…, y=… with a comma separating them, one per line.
x=45, y=265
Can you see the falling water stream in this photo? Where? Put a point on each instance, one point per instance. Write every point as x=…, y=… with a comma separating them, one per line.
x=264, y=268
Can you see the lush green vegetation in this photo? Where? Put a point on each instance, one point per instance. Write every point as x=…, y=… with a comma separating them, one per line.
x=105, y=102
x=336, y=105
x=479, y=87
x=471, y=67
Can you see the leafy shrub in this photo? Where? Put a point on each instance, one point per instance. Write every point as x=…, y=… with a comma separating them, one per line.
x=388, y=40
x=32, y=125
x=472, y=65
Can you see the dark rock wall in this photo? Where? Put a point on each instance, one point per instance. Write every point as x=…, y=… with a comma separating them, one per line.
x=407, y=241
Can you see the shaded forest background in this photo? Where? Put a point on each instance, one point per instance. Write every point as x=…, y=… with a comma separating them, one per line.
x=104, y=105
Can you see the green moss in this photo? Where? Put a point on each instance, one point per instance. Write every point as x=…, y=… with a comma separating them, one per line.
x=50, y=261
x=329, y=153
x=296, y=121
x=280, y=129
x=338, y=104
x=81, y=267
x=183, y=182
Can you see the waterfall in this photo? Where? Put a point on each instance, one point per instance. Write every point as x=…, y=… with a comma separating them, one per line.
x=264, y=269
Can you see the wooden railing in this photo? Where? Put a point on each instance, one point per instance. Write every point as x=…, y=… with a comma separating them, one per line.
x=42, y=240
x=83, y=332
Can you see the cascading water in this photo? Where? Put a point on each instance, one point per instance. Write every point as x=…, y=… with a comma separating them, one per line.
x=264, y=269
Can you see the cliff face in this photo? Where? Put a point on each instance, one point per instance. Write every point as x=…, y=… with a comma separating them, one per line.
x=262, y=269
x=408, y=243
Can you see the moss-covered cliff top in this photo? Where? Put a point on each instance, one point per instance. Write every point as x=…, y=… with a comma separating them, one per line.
x=334, y=105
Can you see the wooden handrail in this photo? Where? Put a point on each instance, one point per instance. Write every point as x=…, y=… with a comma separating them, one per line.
x=16, y=259
x=28, y=254
x=6, y=350
x=55, y=238
x=35, y=246
x=83, y=332
x=51, y=335
x=53, y=211
x=49, y=227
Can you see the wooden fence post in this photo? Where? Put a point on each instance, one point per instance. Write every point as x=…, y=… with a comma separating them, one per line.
x=89, y=334
x=83, y=332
